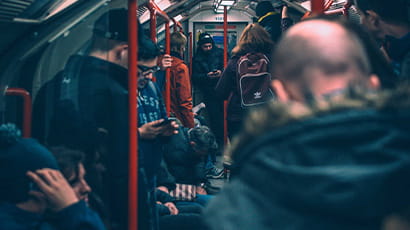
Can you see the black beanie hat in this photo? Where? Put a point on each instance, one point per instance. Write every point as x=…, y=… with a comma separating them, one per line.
x=113, y=25
x=263, y=8
x=205, y=38
x=17, y=156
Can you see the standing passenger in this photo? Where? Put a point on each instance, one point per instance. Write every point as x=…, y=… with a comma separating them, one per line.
x=152, y=129
x=269, y=19
x=389, y=21
x=181, y=95
x=92, y=94
x=254, y=39
x=207, y=68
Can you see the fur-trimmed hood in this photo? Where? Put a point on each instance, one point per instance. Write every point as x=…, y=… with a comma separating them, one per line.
x=277, y=115
x=337, y=164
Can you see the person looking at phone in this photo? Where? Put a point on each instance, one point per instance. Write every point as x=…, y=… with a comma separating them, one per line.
x=207, y=67
x=31, y=186
x=153, y=130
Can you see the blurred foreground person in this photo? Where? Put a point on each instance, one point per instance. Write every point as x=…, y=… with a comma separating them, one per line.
x=334, y=156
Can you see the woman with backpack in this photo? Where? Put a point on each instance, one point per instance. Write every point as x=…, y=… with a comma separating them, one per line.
x=245, y=81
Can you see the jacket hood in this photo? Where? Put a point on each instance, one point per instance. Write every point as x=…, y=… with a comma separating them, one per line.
x=346, y=161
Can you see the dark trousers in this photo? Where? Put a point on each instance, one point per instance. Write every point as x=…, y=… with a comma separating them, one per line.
x=215, y=110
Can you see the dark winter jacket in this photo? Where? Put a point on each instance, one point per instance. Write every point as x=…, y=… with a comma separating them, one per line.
x=76, y=216
x=338, y=165
x=183, y=163
x=399, y=51
x=272, y=23
x=227, y=88
x=92, y=94
x=202, y=64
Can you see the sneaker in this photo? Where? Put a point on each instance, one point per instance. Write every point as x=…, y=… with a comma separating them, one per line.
x=215, y=173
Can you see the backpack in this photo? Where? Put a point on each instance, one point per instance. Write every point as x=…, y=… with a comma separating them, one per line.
x=254, y=79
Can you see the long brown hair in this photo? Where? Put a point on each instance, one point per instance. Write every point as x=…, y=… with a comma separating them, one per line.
x=254, y=38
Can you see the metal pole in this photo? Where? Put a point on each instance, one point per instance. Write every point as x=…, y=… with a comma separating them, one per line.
x=190, y=54
x=168, y=70
x=26, y=108
x=153, y=24
x=317, y=7
x=225, y=64
x=133, y=116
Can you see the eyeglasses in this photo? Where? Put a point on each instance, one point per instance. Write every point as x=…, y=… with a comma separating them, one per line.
x=145, y=70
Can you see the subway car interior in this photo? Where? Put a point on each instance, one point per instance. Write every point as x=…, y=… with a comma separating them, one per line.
x=69, y=77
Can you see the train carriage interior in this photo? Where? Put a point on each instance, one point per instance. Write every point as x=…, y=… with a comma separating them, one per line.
x=46, y=46
x=40, y=35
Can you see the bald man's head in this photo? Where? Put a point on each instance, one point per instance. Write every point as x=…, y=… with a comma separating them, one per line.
x=319, y=52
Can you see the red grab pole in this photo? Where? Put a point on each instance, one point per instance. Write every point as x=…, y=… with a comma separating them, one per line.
x=153, y=24
x=154, y=8
x=318, y=6
x=168, y=70
x=26, y=110
x=225, y=64
x=133, y=116
x=190, y=54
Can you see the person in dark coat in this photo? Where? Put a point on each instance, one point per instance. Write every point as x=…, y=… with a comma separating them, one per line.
x=254, y=39
x=185, y=156
x=389, y=22
x=90, y=96
x=334, y=156
x=269, y=19
x=207, y=67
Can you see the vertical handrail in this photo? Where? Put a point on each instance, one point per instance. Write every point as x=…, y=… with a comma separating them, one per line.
x=168, y=70
x=26, y=108
x=190, y=53
x=133, y=116
x=318, y=7
x=225, y=64
x=153, y=24
x=153, y=7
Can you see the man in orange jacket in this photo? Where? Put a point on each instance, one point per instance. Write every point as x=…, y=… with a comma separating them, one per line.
x=181, y=95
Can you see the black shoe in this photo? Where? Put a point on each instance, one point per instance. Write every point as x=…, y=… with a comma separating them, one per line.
x=215, y=173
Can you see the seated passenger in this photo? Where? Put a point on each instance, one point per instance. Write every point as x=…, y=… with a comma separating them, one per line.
x=31, y=185
x=71, y=163
x=185, y=155
x=333, y=156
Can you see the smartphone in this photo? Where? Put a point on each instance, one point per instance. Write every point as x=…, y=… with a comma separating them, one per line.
x=167, y=121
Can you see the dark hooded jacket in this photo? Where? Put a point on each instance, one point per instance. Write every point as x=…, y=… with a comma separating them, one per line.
x=272, y=23
x=202, y=64
x=336, y=166
x=183, y=163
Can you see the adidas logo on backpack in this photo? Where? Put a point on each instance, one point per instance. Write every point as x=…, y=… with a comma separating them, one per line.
x=254, y=79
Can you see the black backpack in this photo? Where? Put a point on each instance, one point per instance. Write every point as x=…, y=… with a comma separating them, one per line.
x=254, y=79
